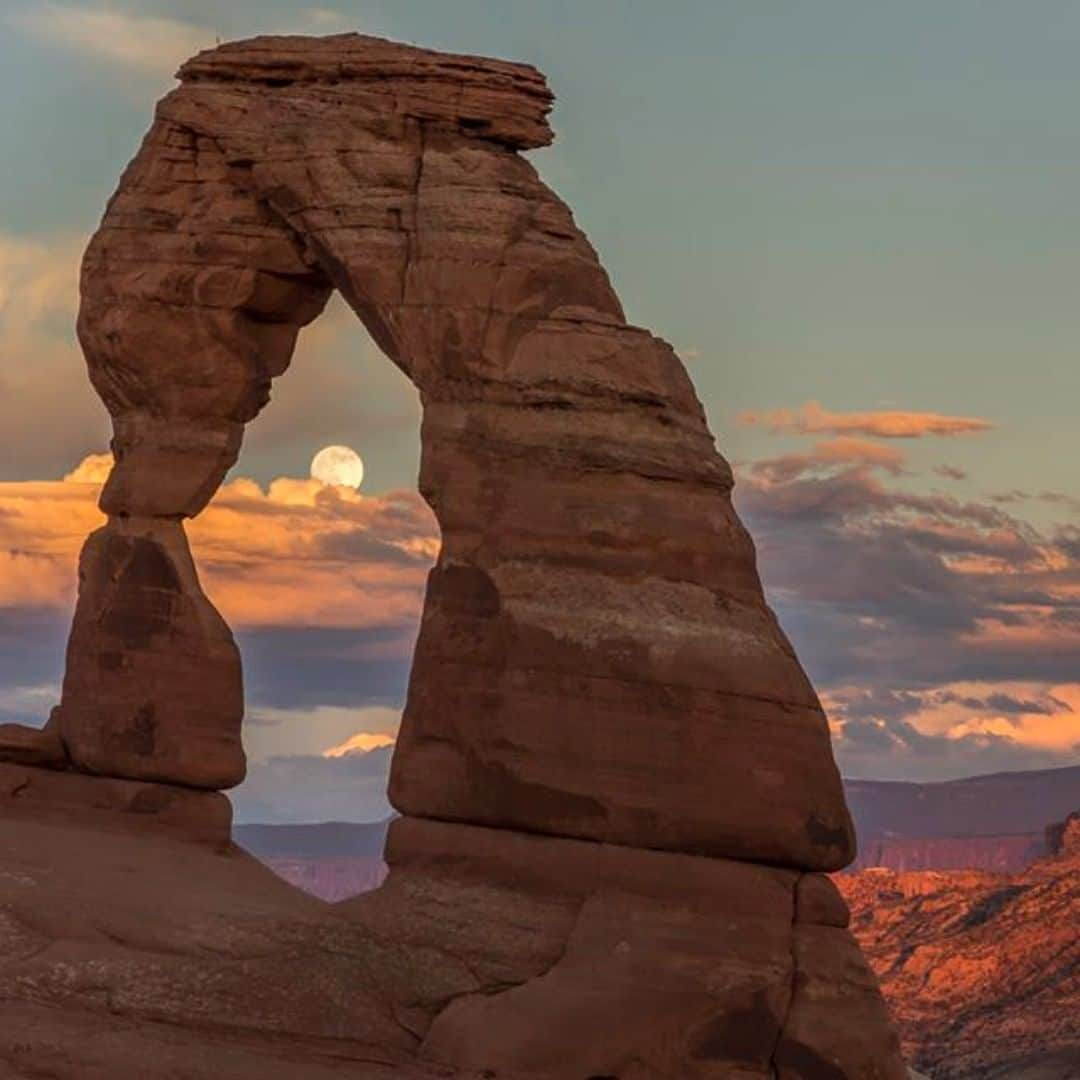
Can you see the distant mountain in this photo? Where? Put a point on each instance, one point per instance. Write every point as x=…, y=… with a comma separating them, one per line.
x=981, y=971
x=330, y=878
x=327, y=839
x=332, y=860
x=990, y=822
x=998, y=804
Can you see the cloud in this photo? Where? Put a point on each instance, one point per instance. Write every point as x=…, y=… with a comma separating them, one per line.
x=361, y=742
x=149, y=45
x=844, y=449
x=145, y=44
x=312, y=666
x=811, y=418
x=943, y=633
x=93, y=469
x=31, y=704
x=950, y=472
x=323, y=730
x=38, y=353
x=306, y=788
x=39, y=278
x=297, y=553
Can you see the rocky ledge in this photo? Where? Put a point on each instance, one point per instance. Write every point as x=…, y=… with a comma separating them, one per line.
x=134, y=941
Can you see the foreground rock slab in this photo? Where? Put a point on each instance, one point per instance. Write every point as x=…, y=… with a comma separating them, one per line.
x=646, y=963
x=129, y=947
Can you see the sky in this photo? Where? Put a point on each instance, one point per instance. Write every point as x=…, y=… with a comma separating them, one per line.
x=856, y=223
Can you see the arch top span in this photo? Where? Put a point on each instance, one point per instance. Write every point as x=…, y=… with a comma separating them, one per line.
x=490, y=99
x=596, y=658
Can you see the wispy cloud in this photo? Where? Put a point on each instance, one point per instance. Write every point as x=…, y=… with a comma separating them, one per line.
x=39, y=279
x=305, y=788
x=149, y=45
x=812, y=419
x=951, y=472
x=146, y=44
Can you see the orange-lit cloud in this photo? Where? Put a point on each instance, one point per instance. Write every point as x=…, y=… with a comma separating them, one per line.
x=1034, y=716
x=93, y=469
x=361, y=742
x=812, y=418
x=297, y=554
x=943, y=633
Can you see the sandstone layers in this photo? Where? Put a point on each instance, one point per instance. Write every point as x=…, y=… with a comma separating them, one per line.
x=617, y=781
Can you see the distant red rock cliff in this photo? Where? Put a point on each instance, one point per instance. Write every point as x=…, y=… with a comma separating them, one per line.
x=981, y=971
x=331, y=879
x=1007, y=854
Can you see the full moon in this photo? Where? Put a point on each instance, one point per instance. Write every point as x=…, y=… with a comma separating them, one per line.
x=340, y=465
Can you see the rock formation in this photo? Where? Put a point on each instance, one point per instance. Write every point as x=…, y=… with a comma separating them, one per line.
x=982, y=971
x=617, y=781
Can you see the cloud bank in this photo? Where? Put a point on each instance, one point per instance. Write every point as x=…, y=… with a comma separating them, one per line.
x=943, y=633
x=812, y=419
x=297, y=553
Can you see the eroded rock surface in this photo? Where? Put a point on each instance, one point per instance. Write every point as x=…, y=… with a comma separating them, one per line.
x=981, y=970
x=595, y=643
x=152, y=689
x=618, y=783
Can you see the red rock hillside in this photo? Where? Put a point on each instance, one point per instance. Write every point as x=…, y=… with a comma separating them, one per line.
x=982, y=971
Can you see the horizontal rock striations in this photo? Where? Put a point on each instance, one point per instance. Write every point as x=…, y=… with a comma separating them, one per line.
x=617, y=781
x=595, y=646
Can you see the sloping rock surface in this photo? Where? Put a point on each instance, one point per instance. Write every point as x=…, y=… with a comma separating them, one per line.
x=136, y=942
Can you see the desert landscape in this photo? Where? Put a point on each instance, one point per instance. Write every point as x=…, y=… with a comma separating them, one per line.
x=549, y=872
x=555, y=756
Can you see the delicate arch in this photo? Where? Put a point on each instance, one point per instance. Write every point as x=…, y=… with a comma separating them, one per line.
x=596, y=659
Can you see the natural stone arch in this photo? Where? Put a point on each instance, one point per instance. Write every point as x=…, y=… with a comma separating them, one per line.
x=596, y=659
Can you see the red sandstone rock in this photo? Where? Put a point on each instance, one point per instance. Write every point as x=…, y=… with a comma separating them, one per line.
x=603, y=711
x=1063, y=838
x=128, y=951
x=38, y=794
x=595, y=650
x=32, y=746
x=152, y=689
x=682, y=965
